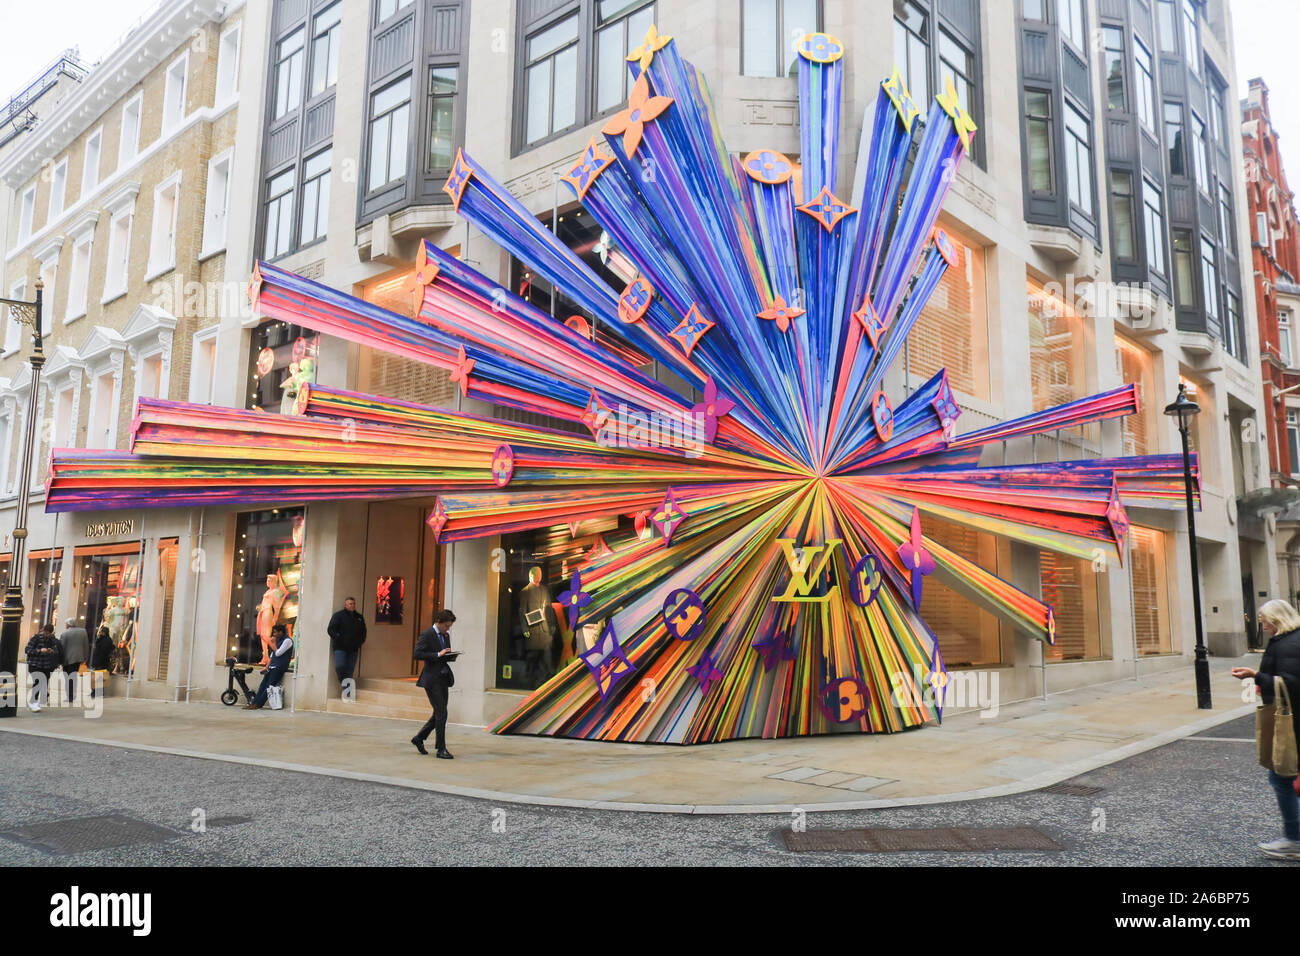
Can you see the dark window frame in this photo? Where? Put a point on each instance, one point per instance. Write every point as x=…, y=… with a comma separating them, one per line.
x=422, y=185
x=779, y=38
x=1047, y=122
x=585, y=86
x=297, y=113
x=1109, y=31
x=1111, y=176
x=1150, y=189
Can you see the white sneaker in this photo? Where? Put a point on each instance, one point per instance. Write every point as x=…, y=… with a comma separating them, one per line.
x=1282, y=849
x=35, y=707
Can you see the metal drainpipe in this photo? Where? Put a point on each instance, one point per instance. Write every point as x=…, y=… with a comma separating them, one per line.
x=130, y=669
x=45, y=619
x=194, y=610
x=297, y=646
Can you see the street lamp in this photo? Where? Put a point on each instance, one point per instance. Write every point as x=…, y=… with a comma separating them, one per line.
x=11, y=614
x=1184, y=410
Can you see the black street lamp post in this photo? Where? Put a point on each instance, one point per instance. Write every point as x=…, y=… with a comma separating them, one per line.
x=11, y=614
x=1184, y=409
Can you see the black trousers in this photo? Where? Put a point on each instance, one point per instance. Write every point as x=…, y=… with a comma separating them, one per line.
x=437, y=724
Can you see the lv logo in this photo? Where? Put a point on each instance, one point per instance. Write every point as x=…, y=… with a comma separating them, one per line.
x=806, y=571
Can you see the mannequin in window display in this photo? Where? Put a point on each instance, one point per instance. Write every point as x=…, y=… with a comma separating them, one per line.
x=268, y=612
x=116, y=617
x=301, y=373
x=537, y=614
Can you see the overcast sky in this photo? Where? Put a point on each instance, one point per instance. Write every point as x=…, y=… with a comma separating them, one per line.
x=34, y=33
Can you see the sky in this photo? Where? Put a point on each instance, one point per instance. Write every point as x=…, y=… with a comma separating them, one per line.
x=36, y=32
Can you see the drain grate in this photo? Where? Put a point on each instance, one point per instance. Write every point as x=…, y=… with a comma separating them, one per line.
x=1072, y=790
x=226, y=821
x=944, y=839
x=88, y=833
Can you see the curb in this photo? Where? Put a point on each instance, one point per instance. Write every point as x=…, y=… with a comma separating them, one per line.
x=1045, y=779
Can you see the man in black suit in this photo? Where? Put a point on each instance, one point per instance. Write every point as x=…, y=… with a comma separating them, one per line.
x=433, y=647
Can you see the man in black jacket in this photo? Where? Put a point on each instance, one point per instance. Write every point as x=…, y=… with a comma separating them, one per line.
x=434, y=648
x=347, y=631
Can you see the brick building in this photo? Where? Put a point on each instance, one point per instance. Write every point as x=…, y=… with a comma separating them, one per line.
x=1275, y=253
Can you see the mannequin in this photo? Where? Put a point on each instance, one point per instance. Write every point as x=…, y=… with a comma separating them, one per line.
x=540, y=624
x=268, y=612
x=300, y=373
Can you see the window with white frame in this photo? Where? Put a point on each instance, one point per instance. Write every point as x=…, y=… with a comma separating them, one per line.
x=119, y=254
x=65, y=423
x=228, y=65
x=166, y=207
x=102, y=429
x=49, y=273
x=90, y=165
x=26, y=213
x=1284, y=336
x=79, y=275
x=129, y=145
x=14, y=328
x=315, y=196
x=174, y=93
x=1293, y=438
x=58, y=190
x=150, y=376
x=203, y=367
x=216, y=202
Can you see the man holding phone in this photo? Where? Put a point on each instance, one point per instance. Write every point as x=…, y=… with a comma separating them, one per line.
x=434, y=648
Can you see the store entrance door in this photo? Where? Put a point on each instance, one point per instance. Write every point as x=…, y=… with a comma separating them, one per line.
x=401, y=590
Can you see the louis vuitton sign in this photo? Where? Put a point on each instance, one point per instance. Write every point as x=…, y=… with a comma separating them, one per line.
x=108, y=529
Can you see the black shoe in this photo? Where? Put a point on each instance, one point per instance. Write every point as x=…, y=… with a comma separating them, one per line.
x=419, y=745
x=445, y=755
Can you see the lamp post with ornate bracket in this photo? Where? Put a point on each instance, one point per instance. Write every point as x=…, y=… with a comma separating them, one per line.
x=11, y=615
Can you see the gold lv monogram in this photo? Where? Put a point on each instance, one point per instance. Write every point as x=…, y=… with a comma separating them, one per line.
x=802, y=581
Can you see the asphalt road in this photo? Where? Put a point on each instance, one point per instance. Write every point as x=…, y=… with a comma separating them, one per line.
x=1196, y=802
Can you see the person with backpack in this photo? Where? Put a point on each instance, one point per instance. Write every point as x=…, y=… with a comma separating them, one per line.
x=44, y=656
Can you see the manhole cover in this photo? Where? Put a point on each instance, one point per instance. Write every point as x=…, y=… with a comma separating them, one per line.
x=226, y=821
x=1072, y=789
x=945, y=839
x=88, y=833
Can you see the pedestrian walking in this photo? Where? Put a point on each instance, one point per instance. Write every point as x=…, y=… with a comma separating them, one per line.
x=1281, y=659
x=76, y=651
x=44, y=654
x=434, y=648
x=101, y=654
x=274, y=670
x=347, y=631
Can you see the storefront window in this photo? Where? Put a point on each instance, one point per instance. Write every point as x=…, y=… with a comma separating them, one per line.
x=1139, y=431
x=533, y=636
x=267, y=569
x=282, y=358
x=109, y=576
x=969, y=636
x=1070, y=589
x=1057, y=350
x=46, y=575
x=1150, y=591
x=953, y=330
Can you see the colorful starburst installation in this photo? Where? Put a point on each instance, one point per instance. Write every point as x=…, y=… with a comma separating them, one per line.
x=773, y=582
